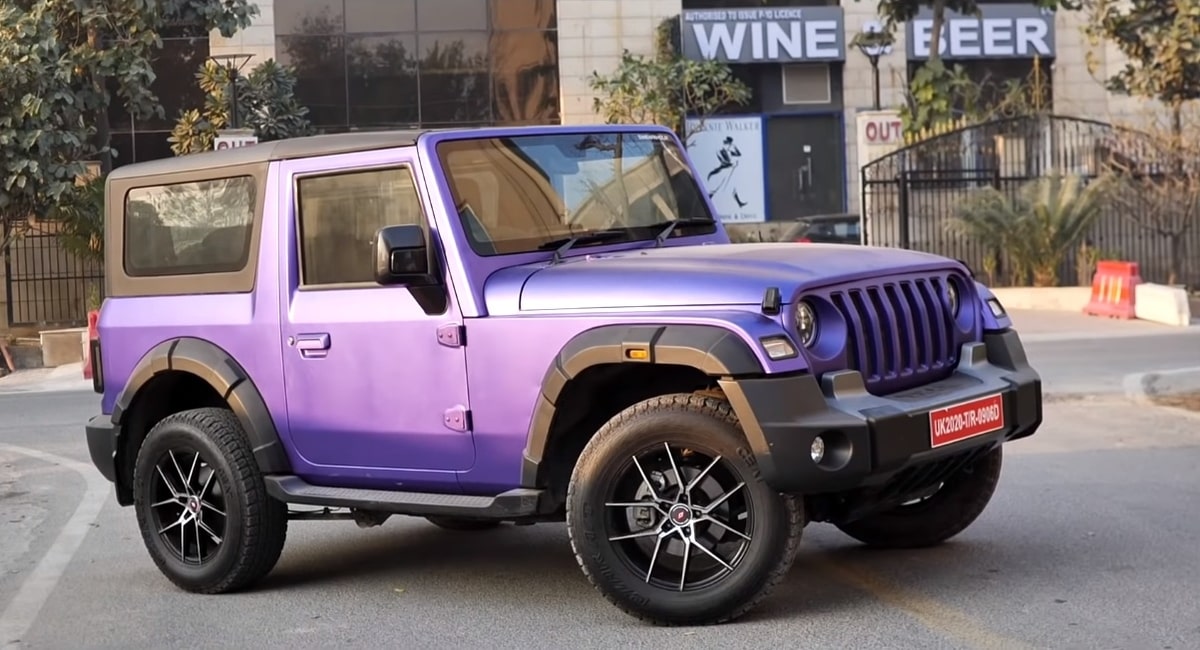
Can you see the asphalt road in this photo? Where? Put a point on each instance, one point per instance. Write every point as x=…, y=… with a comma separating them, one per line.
x=1090, y=543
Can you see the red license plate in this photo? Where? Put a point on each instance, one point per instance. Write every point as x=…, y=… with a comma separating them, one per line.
x=966, y=420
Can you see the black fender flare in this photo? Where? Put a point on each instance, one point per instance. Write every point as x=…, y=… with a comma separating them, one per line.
x=218, y=369
x=714, y=350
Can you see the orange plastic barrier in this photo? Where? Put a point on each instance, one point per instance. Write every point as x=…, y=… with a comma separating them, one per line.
x=93, y=334
x=1112, y=289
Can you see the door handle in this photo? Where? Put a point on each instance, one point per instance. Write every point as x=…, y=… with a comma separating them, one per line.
x=312, y=345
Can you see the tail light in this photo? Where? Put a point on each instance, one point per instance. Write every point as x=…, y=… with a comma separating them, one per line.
x=804, y=240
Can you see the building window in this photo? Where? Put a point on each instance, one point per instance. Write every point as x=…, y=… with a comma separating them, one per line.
x=402, y=63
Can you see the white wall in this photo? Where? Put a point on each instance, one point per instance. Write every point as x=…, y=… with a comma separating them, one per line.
x=258, y=39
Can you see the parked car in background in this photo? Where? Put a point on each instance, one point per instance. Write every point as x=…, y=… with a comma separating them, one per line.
x=826, y=229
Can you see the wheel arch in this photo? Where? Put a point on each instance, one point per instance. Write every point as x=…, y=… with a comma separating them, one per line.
x=211, y=377
x=684, y=355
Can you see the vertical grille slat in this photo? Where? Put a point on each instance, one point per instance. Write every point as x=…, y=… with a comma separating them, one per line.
x=893, y=331
x=920, y=328
x=934, y=322
x=869, y=329
x=943, y=323
x=854, y=344
x=897, y=330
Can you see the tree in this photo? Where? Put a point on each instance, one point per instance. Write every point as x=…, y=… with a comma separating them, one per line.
x=62, y=63
x=43, y=134
x=1161, y=44
x=266, y=102
x=113, y=45
x=666, y=88
x=1159, y=185
x=931, y=87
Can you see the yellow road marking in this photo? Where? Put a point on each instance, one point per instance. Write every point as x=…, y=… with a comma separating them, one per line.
x=932, y=614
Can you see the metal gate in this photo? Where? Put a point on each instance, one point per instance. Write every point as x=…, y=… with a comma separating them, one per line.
x=46, y=285
x=912, y=196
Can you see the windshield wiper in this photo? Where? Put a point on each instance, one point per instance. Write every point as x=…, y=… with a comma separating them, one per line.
x=674, y=223
x=561, y=246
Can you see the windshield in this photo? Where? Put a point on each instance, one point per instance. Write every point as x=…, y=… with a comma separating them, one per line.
x=522, y=194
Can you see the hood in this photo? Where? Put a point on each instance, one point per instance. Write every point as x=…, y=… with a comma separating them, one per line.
x=719, y=274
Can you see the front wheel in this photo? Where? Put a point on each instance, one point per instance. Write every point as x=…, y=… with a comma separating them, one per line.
x=669, y=516
x=947, y=512
x=204, y=512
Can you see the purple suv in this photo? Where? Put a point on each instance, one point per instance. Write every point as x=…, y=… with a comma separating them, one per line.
x=524, y=325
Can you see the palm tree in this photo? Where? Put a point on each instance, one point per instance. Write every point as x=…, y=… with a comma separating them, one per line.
x=1038, y=227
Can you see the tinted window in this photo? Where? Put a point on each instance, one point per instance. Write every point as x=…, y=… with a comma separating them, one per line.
x=189, y=228
x=521, y=194
x=339, y=216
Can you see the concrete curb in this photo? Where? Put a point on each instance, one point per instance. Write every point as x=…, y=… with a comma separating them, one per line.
x=1142, y=387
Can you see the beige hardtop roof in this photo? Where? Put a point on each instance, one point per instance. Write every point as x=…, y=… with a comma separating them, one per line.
x=315, y=145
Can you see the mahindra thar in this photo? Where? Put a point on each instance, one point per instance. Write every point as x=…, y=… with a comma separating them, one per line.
x=495, y=326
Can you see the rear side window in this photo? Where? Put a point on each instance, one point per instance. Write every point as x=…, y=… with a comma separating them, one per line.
x=189, y=228
x=339, y=216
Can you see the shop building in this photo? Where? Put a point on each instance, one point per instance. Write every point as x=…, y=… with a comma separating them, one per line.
x=368, y=64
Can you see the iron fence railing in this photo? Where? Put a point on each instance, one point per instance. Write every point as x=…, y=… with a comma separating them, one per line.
x=912, y=197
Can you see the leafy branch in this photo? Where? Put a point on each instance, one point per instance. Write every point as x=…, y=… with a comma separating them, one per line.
x=666, y=88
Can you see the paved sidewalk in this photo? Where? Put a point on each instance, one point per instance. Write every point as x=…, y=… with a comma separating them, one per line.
x=45, y=380
x=1038, y=325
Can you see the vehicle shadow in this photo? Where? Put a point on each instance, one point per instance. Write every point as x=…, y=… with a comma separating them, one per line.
x=1072, y=552
x=536, y=564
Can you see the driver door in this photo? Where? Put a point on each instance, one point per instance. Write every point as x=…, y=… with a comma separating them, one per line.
x=370, y=386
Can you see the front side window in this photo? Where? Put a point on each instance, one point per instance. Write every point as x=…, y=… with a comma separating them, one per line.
x=339, y=215
x=189, y=228
x=528, y=193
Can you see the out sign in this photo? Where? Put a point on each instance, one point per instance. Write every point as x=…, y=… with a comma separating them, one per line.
x=222, y=142
x=886, y=131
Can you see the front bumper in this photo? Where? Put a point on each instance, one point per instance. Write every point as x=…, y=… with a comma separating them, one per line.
x=880, y=442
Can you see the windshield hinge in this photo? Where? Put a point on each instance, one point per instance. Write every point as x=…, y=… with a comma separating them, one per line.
x=457, y=418
x=452, y=335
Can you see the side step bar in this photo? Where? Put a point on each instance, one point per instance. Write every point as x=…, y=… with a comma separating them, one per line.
x=508, y=505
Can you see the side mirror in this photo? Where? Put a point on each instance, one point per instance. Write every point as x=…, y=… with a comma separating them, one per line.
x=401, y=256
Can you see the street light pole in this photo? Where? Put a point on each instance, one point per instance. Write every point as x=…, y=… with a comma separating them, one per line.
x=874, y=42
x=233, y=64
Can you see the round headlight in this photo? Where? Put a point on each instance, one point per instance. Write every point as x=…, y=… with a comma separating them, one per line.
x=952, y=297
x=806, y=323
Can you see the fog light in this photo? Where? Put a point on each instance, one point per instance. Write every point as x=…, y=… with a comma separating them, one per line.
x=996, y=308
x=817, y=450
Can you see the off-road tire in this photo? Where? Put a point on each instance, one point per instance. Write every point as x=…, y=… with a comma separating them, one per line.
x=256, y=523
x=459, y=523
x=954, y=507
x=699, y=422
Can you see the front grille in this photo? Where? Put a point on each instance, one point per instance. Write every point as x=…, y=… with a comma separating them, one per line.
x=899, y=329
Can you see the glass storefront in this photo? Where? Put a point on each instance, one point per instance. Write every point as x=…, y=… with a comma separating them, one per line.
x=377, y=64
x=403, y=63
x=782, y=154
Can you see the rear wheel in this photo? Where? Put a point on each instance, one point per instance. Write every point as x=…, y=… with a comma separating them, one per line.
x=203, y=510
x=932, y=520
x=669, y=516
